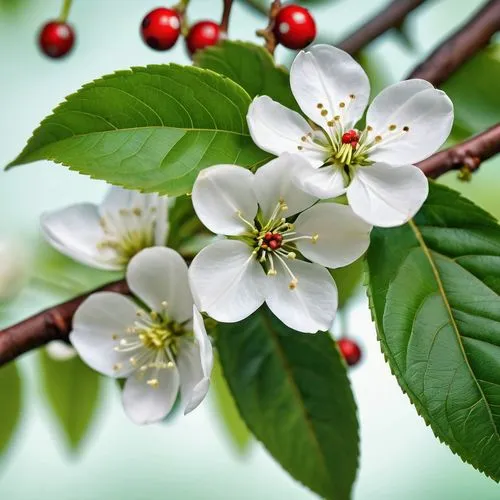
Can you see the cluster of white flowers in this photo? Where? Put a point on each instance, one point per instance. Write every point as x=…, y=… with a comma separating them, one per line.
x=280, y=228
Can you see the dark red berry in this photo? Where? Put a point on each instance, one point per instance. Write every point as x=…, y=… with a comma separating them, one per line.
x=350, y=350
x=294, y=27
x=56, y=39
x=161, y=28
x=201, y=35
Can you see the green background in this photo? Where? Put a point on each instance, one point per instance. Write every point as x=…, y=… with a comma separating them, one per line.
x=192, y=457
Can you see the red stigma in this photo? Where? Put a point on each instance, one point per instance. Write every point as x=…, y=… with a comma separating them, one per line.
x=272, y=241
x=350, y=137
x=274, y=245
x=268, y=236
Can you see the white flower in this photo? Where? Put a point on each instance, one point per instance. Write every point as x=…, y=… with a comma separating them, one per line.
x=109, y=235
x=260, y=261
x=406, y=123
x=159, y=349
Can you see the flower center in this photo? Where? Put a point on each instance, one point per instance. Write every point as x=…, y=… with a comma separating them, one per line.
x=274, y=239
x=127, y=232
x=153, y=344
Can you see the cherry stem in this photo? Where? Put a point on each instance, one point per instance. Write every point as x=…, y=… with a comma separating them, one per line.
x=224, y=24
x=182, y=6
x=63, y=17
x=268, y=32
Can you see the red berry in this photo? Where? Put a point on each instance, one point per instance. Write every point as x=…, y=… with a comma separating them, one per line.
x=161, y=28
x=350, y=350
x=201, y=35
x=56, y=39
x=294, y=27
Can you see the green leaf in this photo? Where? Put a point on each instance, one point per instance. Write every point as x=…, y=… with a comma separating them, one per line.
x=10, y=410
x=151, y=128
x=475, y=99
x=293, y=392
x=434, y=285
x=72, y=391
x=234, y=425
x=250, y=66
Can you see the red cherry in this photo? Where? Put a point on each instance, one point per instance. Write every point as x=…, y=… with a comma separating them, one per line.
x=161, y=28
x=201, y=35
x=294, y=27
x=56, y=39
x=350, y=350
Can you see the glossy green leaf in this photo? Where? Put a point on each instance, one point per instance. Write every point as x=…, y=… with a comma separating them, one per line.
x=10, y=409
x=227, y=410
x=72, y=392
x=293, y=392
x=251, y=67
x=151, y=128
x=434, y=286
x=475, y=98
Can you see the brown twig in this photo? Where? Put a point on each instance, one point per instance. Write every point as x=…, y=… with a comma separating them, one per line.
x=391, y=17
x=224, y=24
x=468, y=155
x=52, y=324
x=461, y=46
x=268, y=32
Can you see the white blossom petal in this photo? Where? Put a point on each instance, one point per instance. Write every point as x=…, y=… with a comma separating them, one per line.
x=323, y=183
x=159, y=275
x=274, y=182
x=222, y=192
x=412, y=120
x=75, y=231
x=387, y=196
x=200, y=334
x=324, y=80
x=311, y=305
x=227, y=281
x=147, y=404
x=99, y=319
x=277, y=129
x=342, y=236
x=60, y=351
x=161, y=221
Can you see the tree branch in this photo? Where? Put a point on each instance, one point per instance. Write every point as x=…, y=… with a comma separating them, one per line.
x=55, y=323
x=469, y=154
x=268, y=32
x=391, y=17
x=469, y=39
x=224, y=24
x=52, y=324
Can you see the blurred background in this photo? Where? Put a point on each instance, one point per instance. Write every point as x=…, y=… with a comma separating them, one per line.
x=63, y=434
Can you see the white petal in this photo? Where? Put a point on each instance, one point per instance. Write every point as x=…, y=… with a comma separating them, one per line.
x=99, y=318
x=227, y=281
x=416, y=104
x=220, y=193
x=323, y=81
x=278, y=130
x=158, y=275
x=274, y=182
x=75, y=231
x=60, y=351
x=323, y=183
x=311, y=305
x=387, y=196
x=200, y=334
x=162, y=226
x=342, y=236
x=145, y=404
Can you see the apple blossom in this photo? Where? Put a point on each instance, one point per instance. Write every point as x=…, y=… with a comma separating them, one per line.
x=406, y=123
x=160, y=348
x=272, y=227
x=109, y=235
